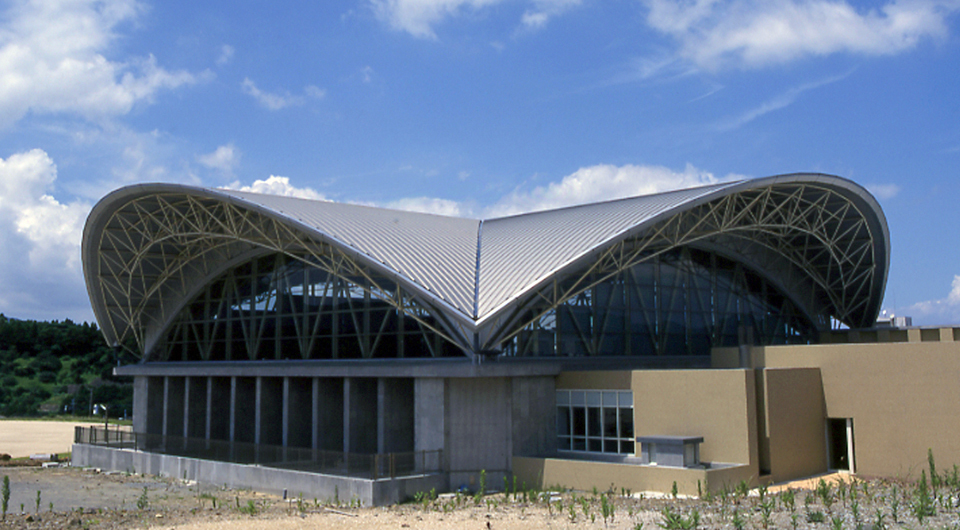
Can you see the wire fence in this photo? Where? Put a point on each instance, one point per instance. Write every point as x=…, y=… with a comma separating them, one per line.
x=360, y=465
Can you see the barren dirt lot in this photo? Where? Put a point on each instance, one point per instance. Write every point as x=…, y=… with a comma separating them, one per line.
x=25, y=438
x=88, y=499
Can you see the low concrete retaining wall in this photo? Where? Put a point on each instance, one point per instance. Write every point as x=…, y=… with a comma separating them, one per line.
x=265, y=479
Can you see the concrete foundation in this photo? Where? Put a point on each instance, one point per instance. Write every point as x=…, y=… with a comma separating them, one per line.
x=271, y=480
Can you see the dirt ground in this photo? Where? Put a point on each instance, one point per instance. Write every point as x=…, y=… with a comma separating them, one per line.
x=25, y=438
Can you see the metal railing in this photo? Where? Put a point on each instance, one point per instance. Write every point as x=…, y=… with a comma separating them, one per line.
x=361, y=465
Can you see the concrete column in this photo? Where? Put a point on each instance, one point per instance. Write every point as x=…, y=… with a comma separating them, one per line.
x=347, y=391
x=232, y=435
x=140, y=400
x=429, y=404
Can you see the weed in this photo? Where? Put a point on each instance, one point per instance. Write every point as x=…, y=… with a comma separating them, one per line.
x=638, y=526
x=607, y=509
x=878, y=520
x=250, y=508
x=142, y=500
x=766, y=511
x=836, y=522
x=788, y=498
x=794, y=519
x=743, y=488
x=483, y=487
x=699, y=490
x=673, y=489
x=895, y=505
x=51, y=507
x=816, y=517
x=676, y=521
x=934, y=477
x=922, y=503
x=5, y=496
x=738, y=521
x=37, y=509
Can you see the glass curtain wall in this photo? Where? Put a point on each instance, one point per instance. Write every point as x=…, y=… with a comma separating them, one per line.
x=681, y=302
x=278, y=307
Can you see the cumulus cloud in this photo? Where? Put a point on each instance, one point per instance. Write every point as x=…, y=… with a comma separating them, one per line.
x=52, y=60
x=224, y=159
x=275, y=185
x=603, y=182
x=430, y=205
x=942, y=311
x=714, y=34
x=279, y=100
x=40, y=237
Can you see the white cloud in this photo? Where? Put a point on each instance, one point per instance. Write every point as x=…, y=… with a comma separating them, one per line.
x=600, y=183
x=51, y=61
x=543, y=10
x=713, y=34
x=40, y=238
x=883, y=191
x=224, y=159
x=226, y=54
x=430, y=205
x=278, y=101
x=275, y=185
x=778, y=102
x=419, y=17
x=945, y=310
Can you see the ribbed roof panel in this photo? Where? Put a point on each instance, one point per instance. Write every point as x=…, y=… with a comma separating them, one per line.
x=439, y=253
x=518, y=252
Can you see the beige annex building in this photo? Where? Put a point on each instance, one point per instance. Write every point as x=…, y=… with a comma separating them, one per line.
x=702, y=336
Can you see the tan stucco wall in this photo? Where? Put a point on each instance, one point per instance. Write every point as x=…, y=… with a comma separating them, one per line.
x=794, y=422
x=719, y=405
x=903, y=397
x=586, y=475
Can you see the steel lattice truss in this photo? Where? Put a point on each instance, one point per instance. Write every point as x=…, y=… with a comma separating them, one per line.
x=156, y=252
x=806, y=238
x=147, y=258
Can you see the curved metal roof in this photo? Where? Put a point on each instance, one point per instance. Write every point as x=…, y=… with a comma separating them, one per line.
x=147, y=247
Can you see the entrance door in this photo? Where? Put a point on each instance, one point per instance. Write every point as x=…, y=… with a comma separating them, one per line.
x=840, y=444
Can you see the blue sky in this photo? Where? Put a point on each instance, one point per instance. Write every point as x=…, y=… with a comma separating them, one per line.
x=474, y=107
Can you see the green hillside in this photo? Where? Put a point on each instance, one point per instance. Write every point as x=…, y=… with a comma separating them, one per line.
x=58, y=367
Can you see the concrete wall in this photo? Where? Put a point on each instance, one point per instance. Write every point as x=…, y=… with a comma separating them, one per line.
x=265, y=479
x=534, y=415
x=478, y=430
x=903, y=398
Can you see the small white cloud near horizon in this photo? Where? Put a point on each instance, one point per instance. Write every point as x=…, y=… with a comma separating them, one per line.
x=716, y=34
x=223, y=159
x=430, y=205
x=276, y=185
x=601, y=183
x=52, y=61
x=279, y=101
x=946, y=309
x=883, y=191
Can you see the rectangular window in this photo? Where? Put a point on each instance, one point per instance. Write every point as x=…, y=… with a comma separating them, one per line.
x=596, y=421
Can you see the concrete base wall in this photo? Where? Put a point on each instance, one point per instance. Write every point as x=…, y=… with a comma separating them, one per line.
x=586, y=475
x=263, y=479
